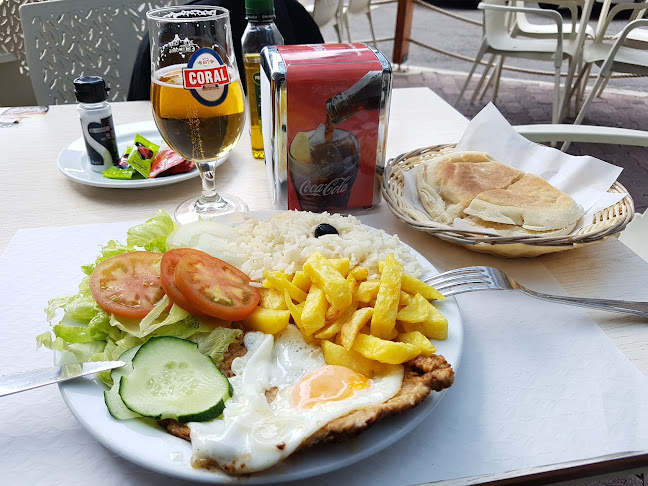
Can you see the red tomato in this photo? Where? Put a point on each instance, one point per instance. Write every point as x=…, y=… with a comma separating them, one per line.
x=215, y=287
x=128, y=285
x=167, y=274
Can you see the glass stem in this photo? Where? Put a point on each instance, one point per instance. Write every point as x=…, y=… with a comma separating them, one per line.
x=209, y=198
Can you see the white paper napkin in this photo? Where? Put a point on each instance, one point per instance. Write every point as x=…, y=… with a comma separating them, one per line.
x=586, y=179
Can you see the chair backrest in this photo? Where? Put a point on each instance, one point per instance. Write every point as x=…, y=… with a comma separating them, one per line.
x=358, y=6
x=497, y=23
x=608, y=12
x=521, y=24
x=65, y=39
x=326, y=11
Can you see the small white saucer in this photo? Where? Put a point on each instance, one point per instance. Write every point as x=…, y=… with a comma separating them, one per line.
x=73, y=160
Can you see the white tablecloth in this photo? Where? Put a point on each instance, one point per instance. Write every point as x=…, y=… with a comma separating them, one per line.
x=538, y=383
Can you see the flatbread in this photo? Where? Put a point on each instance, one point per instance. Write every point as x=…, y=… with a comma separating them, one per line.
x=449, y=183
x=503, y=229
x=491, y=195
x=531, y=203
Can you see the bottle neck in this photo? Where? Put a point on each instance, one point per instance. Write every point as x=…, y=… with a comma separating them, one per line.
x=262, y=18
x=100, y=105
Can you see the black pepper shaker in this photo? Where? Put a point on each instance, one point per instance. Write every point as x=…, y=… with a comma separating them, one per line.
x=96, y=122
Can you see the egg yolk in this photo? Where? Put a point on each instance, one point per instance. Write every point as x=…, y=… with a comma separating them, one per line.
x=325, y=384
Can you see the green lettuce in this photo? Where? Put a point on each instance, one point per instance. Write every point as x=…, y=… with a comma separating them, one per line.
x=216, y=342
x=113, y=248
x=85, y=332
x=71, y=352
x=151, y=235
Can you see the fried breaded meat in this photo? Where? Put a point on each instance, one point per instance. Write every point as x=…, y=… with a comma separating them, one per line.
x=422, y=375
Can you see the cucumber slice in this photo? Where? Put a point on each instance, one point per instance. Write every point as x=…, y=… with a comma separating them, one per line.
x=113, y=401
x=172, y=379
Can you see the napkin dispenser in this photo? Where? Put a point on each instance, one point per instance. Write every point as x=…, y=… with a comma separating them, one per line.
x=324, y=117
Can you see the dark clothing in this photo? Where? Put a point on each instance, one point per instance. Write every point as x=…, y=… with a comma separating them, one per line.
x=293, y=21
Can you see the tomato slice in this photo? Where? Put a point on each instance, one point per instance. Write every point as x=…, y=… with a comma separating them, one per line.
x=215, y=287
x=128, y=285
x=167, y=274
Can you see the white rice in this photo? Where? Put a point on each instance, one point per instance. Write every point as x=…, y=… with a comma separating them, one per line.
x=287, y=239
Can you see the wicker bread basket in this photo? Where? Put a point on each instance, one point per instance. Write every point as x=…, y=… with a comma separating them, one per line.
x=607, y=222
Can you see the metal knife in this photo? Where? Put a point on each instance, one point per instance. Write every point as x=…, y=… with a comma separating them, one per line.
x=27, y=380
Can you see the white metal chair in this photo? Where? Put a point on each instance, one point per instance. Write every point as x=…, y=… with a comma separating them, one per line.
x=637, y=38
x=69, y=38
x=612, y=57
x=327, y=12
x=356, y=7
x=553, y=133
x=523, y=26
x=497, y=40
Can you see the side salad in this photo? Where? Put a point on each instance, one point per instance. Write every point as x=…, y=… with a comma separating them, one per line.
x=83, y=329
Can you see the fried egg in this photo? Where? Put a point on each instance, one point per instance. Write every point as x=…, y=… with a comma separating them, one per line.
x=283, y=393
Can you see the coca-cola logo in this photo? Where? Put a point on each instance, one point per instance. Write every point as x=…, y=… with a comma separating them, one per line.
x=336, y=186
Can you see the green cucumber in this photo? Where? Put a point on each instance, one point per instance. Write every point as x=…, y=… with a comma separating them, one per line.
x=171, y=379
x=113, y=401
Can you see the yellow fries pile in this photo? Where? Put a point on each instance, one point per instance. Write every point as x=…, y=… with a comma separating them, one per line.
x=362, y=324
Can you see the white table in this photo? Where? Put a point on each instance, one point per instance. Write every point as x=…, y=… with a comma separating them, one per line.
x=40, y=441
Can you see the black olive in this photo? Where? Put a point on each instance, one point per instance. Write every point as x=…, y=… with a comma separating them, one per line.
x=325, y=229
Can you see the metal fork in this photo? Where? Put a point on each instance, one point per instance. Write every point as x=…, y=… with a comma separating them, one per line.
x=470, y=279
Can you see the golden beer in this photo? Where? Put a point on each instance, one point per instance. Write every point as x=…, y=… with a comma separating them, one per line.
x=197, y=132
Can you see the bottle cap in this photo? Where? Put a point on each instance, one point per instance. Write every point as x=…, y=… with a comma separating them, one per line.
x=90, y=89
x=259, y=10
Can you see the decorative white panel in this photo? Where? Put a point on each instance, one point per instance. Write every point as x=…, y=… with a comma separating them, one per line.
x=70, y=38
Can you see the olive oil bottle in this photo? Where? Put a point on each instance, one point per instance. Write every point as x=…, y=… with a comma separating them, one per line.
x=261, y=31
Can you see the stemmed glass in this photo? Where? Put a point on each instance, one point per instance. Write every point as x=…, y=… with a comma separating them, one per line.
x=197, y=97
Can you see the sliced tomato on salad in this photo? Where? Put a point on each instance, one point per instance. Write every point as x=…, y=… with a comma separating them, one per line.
x=128, y=285
x=167, y=275
x=215, y=287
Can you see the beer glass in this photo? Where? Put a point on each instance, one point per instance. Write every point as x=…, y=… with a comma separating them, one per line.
x=197, y=97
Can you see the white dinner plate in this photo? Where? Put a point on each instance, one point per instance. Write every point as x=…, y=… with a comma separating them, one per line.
x=73, y=160
x=152, y=447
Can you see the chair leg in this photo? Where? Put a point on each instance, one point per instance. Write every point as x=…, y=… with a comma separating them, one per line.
x=371, y=28
x=603, y=86
x=347, y=26
x=567, y=92
x=338, y=29
x=588, y=101
x=480, y=54
x=482, y=85
x=580, y=85
x=498, y=76
x=555, y=117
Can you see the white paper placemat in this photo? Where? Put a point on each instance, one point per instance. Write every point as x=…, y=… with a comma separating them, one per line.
x=538, y=384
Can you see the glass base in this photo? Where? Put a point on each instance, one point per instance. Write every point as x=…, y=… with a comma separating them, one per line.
x=195, y=209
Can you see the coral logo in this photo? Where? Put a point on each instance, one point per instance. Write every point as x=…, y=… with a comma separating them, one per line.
x=207, y=77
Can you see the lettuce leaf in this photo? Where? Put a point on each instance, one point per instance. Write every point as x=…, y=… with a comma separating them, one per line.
x=113, y=248
x=151, y=235
x=155, y=319
x=216, y=342
x=71, y=352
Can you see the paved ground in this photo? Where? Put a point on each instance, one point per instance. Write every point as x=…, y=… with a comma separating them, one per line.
x=523, y=98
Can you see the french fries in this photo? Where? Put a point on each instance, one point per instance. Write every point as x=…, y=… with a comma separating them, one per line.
x=365, y=325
